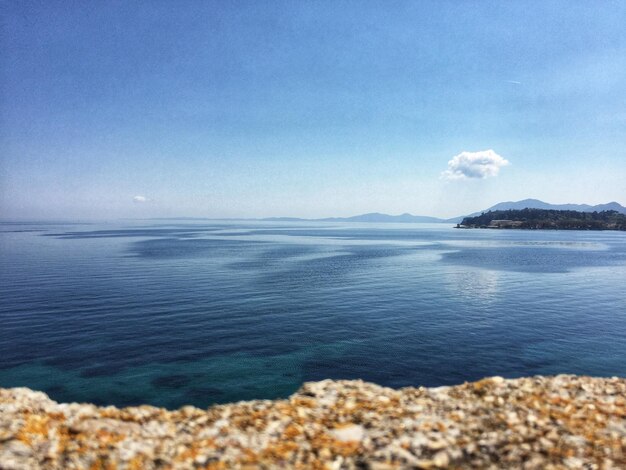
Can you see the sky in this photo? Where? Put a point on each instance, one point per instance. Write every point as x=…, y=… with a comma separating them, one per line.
x=308, y=108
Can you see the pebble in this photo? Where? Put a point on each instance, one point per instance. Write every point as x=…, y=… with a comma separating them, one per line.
x=565, y=421
x=350, y=433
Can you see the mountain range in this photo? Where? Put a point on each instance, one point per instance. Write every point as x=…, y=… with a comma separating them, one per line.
x=516, y=205
x=370, y=217
x=537, y=204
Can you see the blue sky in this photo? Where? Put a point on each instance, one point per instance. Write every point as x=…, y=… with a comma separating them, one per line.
x=308, y=108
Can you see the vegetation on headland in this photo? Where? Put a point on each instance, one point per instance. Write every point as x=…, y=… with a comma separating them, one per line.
x=547, y=219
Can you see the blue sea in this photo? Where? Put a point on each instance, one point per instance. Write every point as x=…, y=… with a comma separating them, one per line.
x=173, y=313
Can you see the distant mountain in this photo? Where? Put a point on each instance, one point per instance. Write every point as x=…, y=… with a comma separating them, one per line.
x=375, y=217
x=284, y=219
x=378, y=217
x=537, y=204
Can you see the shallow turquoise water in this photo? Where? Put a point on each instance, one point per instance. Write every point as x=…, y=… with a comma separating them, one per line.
x=199, y=313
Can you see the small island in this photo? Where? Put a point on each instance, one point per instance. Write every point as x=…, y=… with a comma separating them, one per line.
x=543, y=219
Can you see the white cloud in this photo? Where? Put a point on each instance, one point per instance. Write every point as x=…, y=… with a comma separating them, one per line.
x=482, y=164
x=140, y=199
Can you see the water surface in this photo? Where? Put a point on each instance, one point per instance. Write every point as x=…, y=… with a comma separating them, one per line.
x=171, y=314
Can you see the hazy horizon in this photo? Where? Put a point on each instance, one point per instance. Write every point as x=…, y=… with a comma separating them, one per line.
x=308, y=109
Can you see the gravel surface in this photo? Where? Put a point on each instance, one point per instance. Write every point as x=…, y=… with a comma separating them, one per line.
x=538, y=422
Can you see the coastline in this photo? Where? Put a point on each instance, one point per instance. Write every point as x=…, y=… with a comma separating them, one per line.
x=564, y=421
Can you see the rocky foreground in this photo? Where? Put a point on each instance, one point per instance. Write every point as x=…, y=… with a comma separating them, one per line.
x=537, y=422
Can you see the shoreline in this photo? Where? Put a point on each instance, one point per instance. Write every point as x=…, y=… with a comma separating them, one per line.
x=563, y=421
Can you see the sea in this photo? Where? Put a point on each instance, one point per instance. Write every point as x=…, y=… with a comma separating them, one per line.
x=171, y=313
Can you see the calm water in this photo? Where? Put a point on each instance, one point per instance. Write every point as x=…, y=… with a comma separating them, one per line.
x=199, y=313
